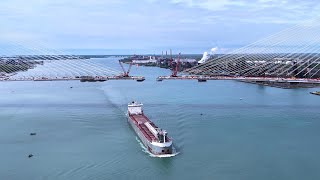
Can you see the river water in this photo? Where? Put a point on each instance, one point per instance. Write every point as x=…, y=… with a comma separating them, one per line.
x=221, y=129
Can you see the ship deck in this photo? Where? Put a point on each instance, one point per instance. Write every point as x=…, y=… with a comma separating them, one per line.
x=139, y=121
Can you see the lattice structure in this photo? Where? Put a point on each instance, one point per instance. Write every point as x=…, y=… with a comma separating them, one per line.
x=294, y=52
x=39, y=63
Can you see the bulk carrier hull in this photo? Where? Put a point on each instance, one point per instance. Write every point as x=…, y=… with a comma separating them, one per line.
x=150, y=135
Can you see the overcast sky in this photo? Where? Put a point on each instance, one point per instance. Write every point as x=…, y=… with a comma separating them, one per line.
x=148, y=26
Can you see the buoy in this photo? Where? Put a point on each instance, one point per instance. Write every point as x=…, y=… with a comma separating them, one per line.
x=201, y=114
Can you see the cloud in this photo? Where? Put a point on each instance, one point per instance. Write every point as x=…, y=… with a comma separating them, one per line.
x=257, y=11
x=149, y=24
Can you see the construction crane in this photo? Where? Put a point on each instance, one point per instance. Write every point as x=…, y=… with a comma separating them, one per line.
x=175, y=69
x=125, y=73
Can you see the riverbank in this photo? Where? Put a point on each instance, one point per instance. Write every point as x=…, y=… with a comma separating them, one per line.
x=12, y=66
x=283, y=85
x=167, y=62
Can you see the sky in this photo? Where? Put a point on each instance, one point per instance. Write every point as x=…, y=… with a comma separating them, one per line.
x=146, y=26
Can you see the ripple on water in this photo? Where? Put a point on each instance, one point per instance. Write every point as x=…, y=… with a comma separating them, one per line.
x=91, y=167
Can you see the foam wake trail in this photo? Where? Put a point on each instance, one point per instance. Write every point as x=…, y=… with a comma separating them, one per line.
x=119, y=101
x=116, y=101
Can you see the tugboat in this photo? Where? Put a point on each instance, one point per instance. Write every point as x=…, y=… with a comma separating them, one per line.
x=202, y=79
x=315, y=93
x=153, y=138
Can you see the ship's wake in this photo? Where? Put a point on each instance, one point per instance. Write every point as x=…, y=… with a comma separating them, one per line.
x=145, y=150
x=117, y=100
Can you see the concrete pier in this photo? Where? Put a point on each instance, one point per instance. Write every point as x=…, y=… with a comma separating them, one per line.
x=267, y=81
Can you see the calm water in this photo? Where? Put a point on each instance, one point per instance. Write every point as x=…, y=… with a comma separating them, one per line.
x=82, y=132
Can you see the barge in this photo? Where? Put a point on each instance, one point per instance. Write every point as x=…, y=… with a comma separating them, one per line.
x=153, y=138
x=315, y=93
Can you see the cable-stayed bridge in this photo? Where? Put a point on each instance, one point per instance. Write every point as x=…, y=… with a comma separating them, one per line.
x=42, y=64
x=290, y=58
x=291, y=53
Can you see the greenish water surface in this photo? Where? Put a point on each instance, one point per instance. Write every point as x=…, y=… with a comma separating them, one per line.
x=245, y=131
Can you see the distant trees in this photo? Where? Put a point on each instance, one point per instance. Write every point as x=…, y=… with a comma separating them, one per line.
x=9, y=68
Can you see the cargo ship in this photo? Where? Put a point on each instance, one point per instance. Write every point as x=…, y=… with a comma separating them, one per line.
x=153, y=138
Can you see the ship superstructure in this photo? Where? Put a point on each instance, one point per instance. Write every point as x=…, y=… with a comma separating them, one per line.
x=154, y=139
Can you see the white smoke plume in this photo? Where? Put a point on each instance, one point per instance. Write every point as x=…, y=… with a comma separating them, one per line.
x=214, y=50
x=207, y=55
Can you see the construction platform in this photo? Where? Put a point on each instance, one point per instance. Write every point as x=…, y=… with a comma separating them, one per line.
x=267, y=81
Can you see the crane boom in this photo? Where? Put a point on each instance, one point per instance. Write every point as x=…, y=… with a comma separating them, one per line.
x=130, y=65
x=125, y=73
x=175, y=69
